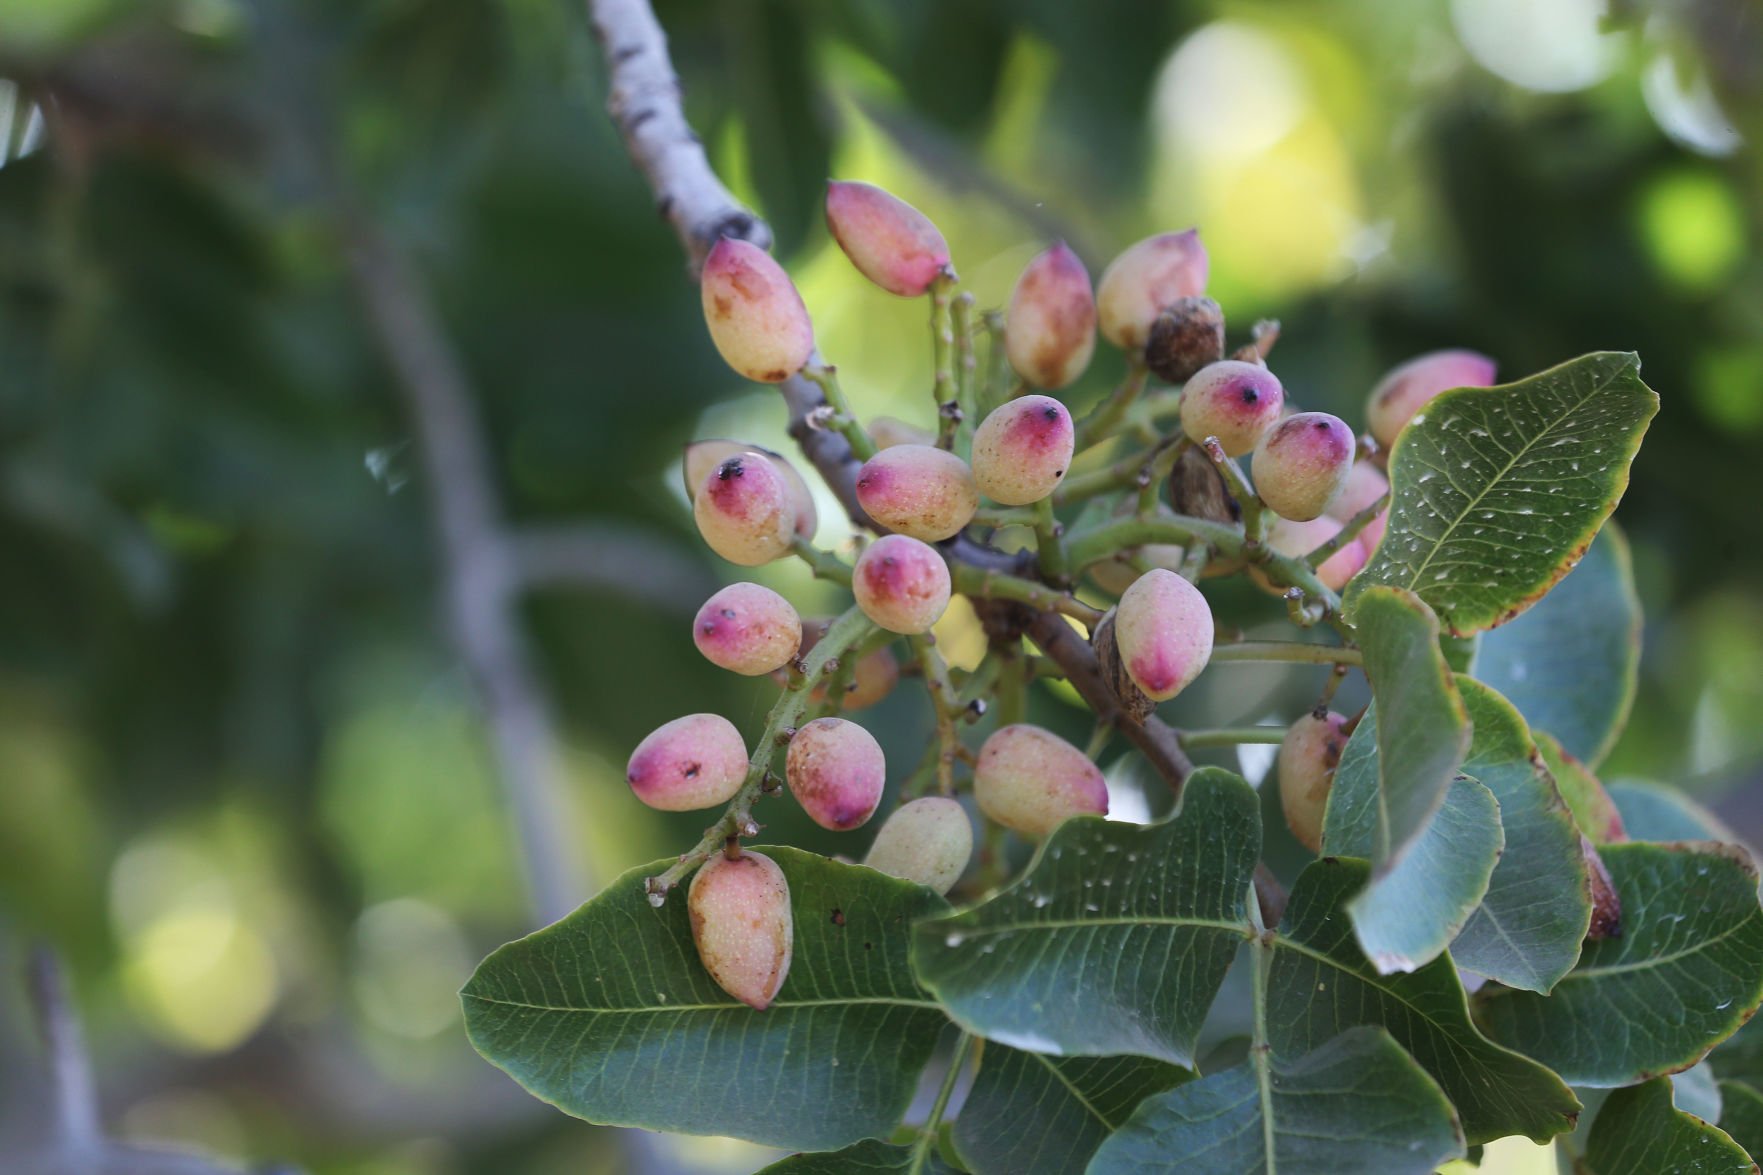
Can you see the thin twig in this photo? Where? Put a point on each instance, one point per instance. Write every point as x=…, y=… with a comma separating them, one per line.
x=602, y=555
x=74, y=1097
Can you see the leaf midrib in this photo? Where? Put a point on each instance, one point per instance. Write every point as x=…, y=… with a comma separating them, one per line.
x=1661, y=961
x=1497, y=478
x=1075, y=1092
x=1243, y=928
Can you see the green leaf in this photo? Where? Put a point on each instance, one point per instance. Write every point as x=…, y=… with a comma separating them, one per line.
x=1460, y=651
x=1497, y=492
x=609, y=1015
x=1322, y=984
x=1407, y=917
x=1593, y=809
x=1349, y=823
x=1527, y=931
x=1639, y=1132
x=1653, y=811
x=1535, y=906
x=1686, y=971
x=1027, y=1112
x=1358, y=1103
x=1424, y=732
x=871, y=1156
x=1569, y=664
x=1741, y=1115
x=1116, y=937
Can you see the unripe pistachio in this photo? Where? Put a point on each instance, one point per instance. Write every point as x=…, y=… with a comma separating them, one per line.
x=1186, y=336
x=1298, y=539
x=1147, y=277
x=703, y=456
x=901, y=583
x=741, y=925
x=890, y=242
x=1302, y=464
x=755, y=315
x=886, y=432
x=872, y=679
x=747, y=628
x=1365, y=485
x=1022, y=450
x=928, y=841
x=836, y=772
x=1052, y=320
x=1236, y=402
x=1031, y=781
x=918, y=490
x=697, y=761
x=1407, y=388
x=743, y=511
x=1307, y=760
x=1164, y=629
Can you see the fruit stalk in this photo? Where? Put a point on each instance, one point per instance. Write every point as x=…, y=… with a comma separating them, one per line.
x=1105, y=417
x=844, y=421
x=942, y=342
x=791, y=708
x=1349, y=531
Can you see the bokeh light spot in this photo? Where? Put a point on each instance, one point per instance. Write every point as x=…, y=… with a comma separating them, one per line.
x=1551, y=45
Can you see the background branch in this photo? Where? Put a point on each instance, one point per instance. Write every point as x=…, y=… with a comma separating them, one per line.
x=481, y=578
x=70, y=1087
x=609, y=557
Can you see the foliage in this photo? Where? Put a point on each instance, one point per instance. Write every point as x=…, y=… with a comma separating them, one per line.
x=1454, y=837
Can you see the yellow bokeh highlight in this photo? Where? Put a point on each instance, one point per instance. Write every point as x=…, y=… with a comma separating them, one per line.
x=1270, y=181
x=1693, y=229
x=202, y=980
x=960, y=637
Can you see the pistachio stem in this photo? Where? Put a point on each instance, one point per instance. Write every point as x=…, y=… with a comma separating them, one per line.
x=786, y=715
x=987, y=584
x=824, y=564
x=1289, y=652
x=999, y=377
x=1349, y=532
x=1254, y=520
x=1049, y=544
x=966, y=364
x=1101, y=421
x=826, y=377
x=945, y=705
x=942, y=344
x=1232, y=736
x=1092, y=546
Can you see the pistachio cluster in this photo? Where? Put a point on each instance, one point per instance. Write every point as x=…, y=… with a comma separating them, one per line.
x=971, y=506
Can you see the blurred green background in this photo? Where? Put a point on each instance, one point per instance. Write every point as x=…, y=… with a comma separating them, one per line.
x=245, y=788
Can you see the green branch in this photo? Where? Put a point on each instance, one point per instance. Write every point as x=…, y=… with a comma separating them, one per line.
x=1101, y=421
x=826, y=377
x=1290, y=652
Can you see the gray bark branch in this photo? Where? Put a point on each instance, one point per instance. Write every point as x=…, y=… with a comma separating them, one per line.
x=481, y=578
